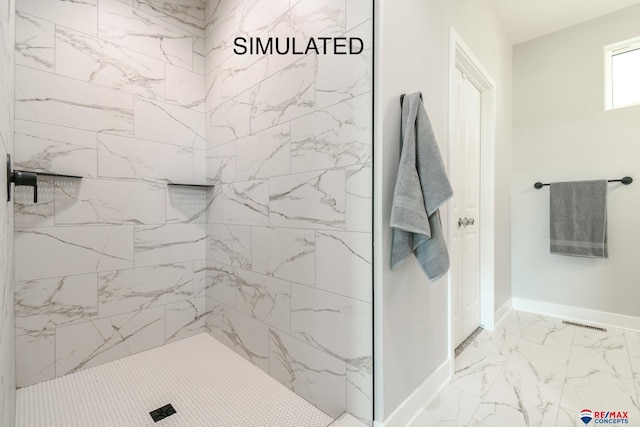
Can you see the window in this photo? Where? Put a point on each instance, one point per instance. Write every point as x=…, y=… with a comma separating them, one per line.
x=622, y=74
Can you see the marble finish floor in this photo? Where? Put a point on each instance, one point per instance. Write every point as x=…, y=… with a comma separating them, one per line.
x=536, y=371
x=206, y=382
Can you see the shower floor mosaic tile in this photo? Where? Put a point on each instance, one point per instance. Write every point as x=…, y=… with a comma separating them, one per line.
x=206, y=383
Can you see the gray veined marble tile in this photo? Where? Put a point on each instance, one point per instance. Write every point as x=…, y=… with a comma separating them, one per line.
x=632, y=339
x=549, y=332
x=234, y=75
x=308, y=200
x=221, y=283
x=284, y=96
x=360, y=393
x=586, y=387
x=343, y=264
x=43, y=147
x=311, y=373
x=221, y=163
x=48, y=98
x=333, y=324
x=29, y=214
x=284, y=253
x=337, y=136
x=306, y=19
x=169, y=243
x=451, y=408
x=246, y=336
x=78, y=15
x=214, y=201
x=200, y=273
x=186, y=318
x=342, y=77
x=45, y=304
x=144, y=33
x=359, y=198
x=253, y=16
x=246, y=203
x=92, y=248
x=100, y=341
x=264, y=154
x=180, y=125
x=136, y=159
x=230, y=120
x=604, y=351
x=214, y=322
x=125, y=291
x=230, y=244
x=186, y=14
x=264, y=298
x=358, y=11
x=35, y=42
x=100, y=201
x=475, y=370
x=95, y=61
x=199, y=64
x=546, y=365
x=35, y=358
x=516, y=401
x=220, y=31
x=199, y=166
x=184, y=88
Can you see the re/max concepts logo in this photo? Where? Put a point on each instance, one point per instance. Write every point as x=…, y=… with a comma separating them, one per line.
x=604, y=417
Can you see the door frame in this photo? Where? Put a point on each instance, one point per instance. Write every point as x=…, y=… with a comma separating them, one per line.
x=460, y=56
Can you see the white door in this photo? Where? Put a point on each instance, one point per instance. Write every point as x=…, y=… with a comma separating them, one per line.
x=465, y=175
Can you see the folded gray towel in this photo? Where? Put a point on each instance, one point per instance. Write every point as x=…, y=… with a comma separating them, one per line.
x=422, y=187
x=578, y=218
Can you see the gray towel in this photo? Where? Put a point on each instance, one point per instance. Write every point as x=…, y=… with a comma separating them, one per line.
x=578, y=218
x=422, y=187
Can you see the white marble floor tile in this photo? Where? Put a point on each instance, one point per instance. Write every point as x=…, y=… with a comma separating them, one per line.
x=546, y=365
x=516, y=401
x=549, y=332
x=499, y=341
x=599, y=391
x=451, y=408
x=533, y=370
x=475, y=370
x=604, y=351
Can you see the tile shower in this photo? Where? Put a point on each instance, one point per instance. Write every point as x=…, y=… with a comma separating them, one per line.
x=274, y=260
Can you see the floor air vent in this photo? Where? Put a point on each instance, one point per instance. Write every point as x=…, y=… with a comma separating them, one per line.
x=581, y=325
x=162, y=413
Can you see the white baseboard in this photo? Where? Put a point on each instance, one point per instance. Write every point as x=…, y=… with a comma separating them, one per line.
x=503, y=312
x=577, y=314
x=413, y=405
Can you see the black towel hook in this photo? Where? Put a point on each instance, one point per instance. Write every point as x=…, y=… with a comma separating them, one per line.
x=402, y=98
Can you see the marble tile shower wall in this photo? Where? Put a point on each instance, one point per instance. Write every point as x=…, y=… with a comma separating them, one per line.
x=7, y=341
x=115, y=263
x=289, y=148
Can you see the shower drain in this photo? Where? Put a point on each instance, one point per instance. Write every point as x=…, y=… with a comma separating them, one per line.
x=162, y=413
x=582, y=325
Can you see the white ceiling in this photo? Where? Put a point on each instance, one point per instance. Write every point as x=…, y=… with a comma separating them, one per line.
x=523, y=20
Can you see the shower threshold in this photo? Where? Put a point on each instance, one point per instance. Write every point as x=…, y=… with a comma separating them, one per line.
x=206, y=384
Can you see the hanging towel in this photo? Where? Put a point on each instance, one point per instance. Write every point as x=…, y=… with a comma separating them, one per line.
x=578, y=218
x=422, y=187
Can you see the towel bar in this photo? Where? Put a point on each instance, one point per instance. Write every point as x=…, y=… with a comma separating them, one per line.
x=626, y=181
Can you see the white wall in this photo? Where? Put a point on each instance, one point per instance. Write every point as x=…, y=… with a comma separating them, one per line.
x=562, y=133
x=413, y=55
x=7, y=342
